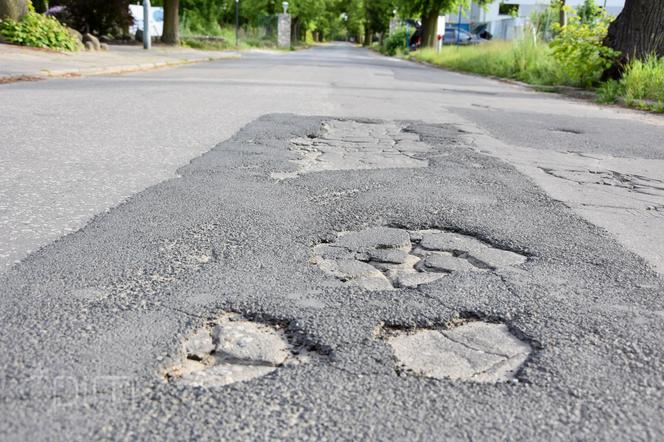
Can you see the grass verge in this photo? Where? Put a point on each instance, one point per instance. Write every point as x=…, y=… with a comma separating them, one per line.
x=641, y=87
x=523, y=61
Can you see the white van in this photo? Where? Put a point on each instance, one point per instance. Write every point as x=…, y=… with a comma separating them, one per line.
x=156, y=20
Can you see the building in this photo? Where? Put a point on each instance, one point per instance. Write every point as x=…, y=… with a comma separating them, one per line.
x=506, y=19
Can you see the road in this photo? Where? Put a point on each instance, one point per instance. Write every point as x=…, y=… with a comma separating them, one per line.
x=144, y=208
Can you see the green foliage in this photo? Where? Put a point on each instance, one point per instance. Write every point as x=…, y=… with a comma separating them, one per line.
x=643, y=82
x=579, y=50
x=36, y=30
x=395, y=42
x=522, y=60
x=378, y=14
x=542, y=21
x=100, y=17
x=609, y=92
x=589, y=12
x=224, y=38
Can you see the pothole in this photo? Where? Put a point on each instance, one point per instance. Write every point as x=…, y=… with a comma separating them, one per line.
x=234, y=349
x=383, y=258
x=474, y=351
x=348, y=144
x=567, y=130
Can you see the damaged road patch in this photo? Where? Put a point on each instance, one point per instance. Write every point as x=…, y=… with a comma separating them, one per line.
x=475, y=351
x=231, y=350
x=348, y=145
x=384, y=258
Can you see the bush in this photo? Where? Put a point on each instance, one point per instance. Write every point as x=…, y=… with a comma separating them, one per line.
x=609, y=92
x=37, y=30
x=100, y=17
x=579, y=50
x=395, y=42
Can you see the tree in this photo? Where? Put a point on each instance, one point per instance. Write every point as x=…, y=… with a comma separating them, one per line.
x=13, y=9
x=638, y=32
x=377, y=18
x=171, y=34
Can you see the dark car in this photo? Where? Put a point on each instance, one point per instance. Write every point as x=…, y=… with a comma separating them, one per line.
x=454, y=36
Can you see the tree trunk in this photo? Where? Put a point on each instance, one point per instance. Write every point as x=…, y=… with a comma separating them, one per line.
x=563, y=13
x=13, y=9
x=368, y=36
x=429, y=22
x=171, y=33
x=295, y=31
x=639, y=30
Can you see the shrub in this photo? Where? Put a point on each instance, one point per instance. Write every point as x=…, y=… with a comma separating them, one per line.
x=395, y=42
x=609, y=92
x=37, y=30
x=579, y=50
x=100, y=17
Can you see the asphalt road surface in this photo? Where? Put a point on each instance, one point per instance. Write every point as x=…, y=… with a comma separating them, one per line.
x=93, y=321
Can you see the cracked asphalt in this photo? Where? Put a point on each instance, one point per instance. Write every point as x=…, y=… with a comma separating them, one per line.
x=91, y=321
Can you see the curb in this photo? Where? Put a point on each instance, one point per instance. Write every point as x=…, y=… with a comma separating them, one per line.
x=121, y=69
x=124, y=69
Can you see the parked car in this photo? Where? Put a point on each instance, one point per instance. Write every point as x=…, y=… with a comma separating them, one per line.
x=454, y=36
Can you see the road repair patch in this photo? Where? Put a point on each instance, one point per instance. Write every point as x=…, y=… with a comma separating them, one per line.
x=383, y=258
x=349, y=145
x=474, y=351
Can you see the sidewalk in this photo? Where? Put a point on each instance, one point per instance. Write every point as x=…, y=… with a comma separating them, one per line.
x=18, y=62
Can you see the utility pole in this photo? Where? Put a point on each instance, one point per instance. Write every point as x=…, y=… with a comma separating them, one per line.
x=237, y=21
x=147, y=39
x=459, y=26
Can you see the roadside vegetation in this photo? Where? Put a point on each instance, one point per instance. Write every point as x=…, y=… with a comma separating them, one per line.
x=552, y=55
x=40, y=31
x=522, y=60
x=641, y=86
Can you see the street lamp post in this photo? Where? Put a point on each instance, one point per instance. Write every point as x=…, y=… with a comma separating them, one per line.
x=459, y=27
x=237, y=21
x=147, y=39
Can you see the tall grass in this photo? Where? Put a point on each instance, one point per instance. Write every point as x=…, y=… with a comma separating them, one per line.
x=644, y=80
x=641, y=86
x=524, y=61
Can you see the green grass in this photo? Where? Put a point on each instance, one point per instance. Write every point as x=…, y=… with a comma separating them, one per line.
x=641, y=87
x=523, y=61
x=644, y=80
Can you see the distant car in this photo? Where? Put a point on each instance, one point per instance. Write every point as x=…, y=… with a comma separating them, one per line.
x=458, y=36
x=156, y=20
